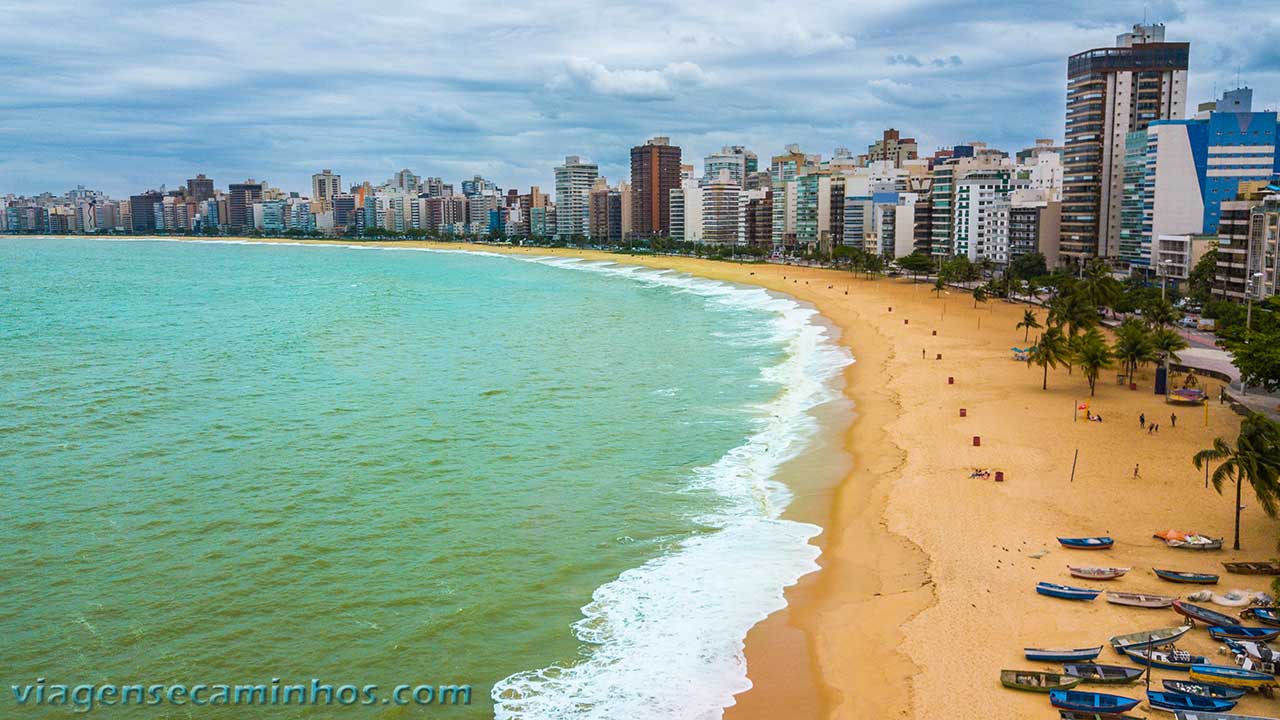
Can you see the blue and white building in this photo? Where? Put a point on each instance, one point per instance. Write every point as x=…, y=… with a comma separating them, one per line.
x=1193, y=166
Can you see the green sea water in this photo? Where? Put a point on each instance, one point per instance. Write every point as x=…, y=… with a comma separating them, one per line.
x=551, y=481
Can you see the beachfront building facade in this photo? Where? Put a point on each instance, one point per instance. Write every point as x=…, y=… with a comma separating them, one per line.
x=573, y=194
x=891, y=148
x=735, y=159
x=1190, y=167
x=1248, y=243
x=655, y=172
x=1111, y=92
x=722, y=209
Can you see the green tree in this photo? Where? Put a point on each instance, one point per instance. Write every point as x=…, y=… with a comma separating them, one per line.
x=1133, y=346
x=873, y=265
x=1029, y=323
x=1200, y=281
x=1028, y=267
x=916, y=264
x=939, y=286
x=1167, y=342
x=1097, y=287
x=1049, y=351
x=1254, y=458
x=1093, y=355
x=979, y=296
x=1160, y=313
x=1258, y=358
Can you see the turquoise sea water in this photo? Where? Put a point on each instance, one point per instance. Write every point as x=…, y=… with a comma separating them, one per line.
x=551, y=480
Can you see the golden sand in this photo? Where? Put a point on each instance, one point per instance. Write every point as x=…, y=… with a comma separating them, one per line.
x=927, y=588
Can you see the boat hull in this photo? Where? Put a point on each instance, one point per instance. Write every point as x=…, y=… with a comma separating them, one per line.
x=1186, y=578
x=1231, y=676
x=1204, y=615
x=1091, y=702
x=1050, y=655
x=1159, y=636
x=1177, y=701
x=1140, y=600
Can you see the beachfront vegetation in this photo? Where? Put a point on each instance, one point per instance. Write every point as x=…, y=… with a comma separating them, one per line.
x=1253, y=458
x=1051, y=350
x=1133, y=346
x=1093, y=355
x=1029, y=323
x=979, y=295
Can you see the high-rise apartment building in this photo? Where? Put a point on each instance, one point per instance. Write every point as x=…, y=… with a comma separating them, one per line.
x=1110, y=93
x=655, y=172
x=142, y=210
x=892, y=147
x=733, y=158
x=241, y=199
x=199, y=188
x=325, y=186
x=573, y=193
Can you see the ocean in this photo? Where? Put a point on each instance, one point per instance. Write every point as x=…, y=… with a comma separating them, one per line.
x=553, y=480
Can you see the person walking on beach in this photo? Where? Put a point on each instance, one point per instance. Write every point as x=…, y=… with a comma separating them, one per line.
x=1142, y=421
x=1173, y=420
x=1135, y=471
x=1151, y=428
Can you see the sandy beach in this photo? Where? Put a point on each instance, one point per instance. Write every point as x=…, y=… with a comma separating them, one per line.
x=927, y=587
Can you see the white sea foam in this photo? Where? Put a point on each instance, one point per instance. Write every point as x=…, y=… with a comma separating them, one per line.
x=664, y=641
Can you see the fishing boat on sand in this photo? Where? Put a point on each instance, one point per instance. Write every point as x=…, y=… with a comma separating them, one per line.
x=1081, y=701
x=1165, y=659
x=1037, y=681
x=1203, y=614
x=1231, y=676
x=1264, y=615
x=1253, y=568
x=1087, y=543
x=1050, y=655
x=1073, y=715
x=1159, y=636
x=1142, y=600
x=1189, y=540
x=1066, y=592
x=1176, y=701
x=1197, y=715
x=1096, y=573
x=1243, y=632
x=1095, y=674
x=1191, y=578
x=1188, y=687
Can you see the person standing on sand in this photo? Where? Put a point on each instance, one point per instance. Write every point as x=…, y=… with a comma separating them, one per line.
x=1151, y=428
x=1142, y=421
x=1173, y=420
x=1135, y=471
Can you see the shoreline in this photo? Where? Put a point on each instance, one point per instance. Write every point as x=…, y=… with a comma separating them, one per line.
x=927, y=575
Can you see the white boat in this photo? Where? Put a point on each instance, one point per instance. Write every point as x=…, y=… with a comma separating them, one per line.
x=1096, y=573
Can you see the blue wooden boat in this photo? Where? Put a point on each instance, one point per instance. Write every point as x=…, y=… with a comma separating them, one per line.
x=1231, y=676
x=1190, y=578
x=1077, y=655
x=1243, y=632
x=1081, y=701
x=1066, y=592
x=1197, y=715
x=1264, y=615
x=1158, y=636
x=1093, y=673
x=1165, y=660
x=1087, y=543
x=1209, y=690
x=1203, y=614
x=1177, y=701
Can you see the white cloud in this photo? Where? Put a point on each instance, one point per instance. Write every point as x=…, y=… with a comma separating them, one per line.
x=584, y=74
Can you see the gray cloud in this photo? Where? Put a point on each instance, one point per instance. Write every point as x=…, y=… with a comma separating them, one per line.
x=154, y=92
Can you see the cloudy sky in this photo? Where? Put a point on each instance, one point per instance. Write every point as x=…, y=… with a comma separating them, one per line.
x=128, y=95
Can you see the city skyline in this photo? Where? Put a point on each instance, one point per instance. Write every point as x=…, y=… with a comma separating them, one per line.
x=136, y=105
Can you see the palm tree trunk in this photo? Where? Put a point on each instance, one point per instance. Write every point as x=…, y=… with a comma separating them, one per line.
x=1045, y=385
x=1026, y=334
x=1238, y=483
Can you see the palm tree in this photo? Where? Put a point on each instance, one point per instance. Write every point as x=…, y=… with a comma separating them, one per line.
x=979, y=295
x=1254, y=458
x=1093, y=355
x=1049, y=351
x=1167, y=342
x=1029, y=323
x=1097, y=287
x=1160, y=314
x=1133, y=346
x=939, y=286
